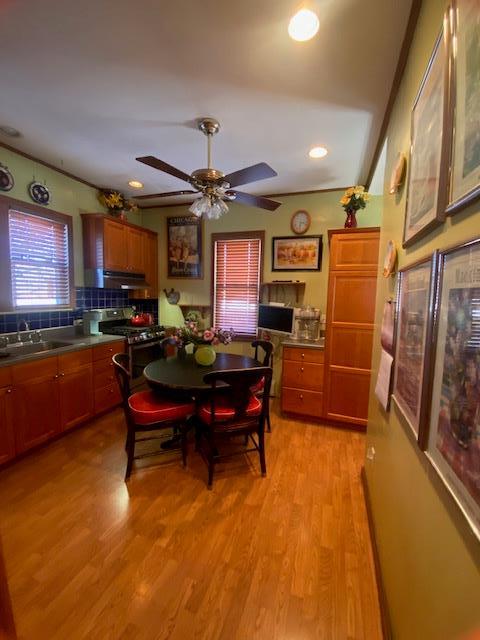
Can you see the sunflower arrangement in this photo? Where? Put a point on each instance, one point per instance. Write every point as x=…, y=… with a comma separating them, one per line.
x=116, y=201
x=355, y=198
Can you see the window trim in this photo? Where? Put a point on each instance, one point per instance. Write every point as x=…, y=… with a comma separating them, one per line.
x=236, y=235
x=6, y=294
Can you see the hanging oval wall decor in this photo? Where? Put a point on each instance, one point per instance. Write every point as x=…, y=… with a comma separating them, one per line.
x=39, y=193
x=6, y=179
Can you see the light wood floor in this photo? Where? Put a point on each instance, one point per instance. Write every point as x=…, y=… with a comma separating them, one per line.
x=286, y=557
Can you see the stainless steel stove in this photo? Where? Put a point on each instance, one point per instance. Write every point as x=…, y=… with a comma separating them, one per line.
x=135, y=335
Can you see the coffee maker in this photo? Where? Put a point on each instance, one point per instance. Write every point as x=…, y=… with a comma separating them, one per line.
x=307, y=324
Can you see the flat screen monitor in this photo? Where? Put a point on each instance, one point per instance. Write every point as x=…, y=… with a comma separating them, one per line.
x=276, y=319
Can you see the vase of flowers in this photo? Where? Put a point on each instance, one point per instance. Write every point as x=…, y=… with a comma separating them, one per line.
x=353, y=199
x=116, y=203
x=203, y=341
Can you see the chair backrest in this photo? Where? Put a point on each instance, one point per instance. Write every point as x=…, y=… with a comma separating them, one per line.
x=121, y=366
x=267, y=348
x=239, y=395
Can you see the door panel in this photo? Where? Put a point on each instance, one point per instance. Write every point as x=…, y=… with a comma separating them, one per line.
x=135, y=250
x=7, y=438
x=357, y=251
x=351, y=346
x=114, y=246
x=348, y=395
x=353, y=297
x=76, y=396
x=36, y=411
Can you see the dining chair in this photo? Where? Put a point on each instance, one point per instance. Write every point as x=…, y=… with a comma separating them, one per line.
x=233, y=411
x=266, y=347
x=148, y=411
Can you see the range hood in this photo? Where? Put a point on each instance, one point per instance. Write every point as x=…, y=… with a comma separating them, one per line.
x=104, y=279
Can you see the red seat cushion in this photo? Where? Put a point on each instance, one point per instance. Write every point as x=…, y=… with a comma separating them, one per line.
x=256, y=388
x=147, y=408
x=225, y=411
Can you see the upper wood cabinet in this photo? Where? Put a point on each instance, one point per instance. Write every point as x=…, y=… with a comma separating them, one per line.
x=150, y=251
x=114, y=245
x=352, y=288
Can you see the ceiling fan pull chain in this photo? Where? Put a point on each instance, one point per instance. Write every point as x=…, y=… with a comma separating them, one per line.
x=209, y=152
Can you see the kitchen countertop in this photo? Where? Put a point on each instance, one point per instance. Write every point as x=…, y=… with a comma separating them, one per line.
x=63, y=334
x=305, y=344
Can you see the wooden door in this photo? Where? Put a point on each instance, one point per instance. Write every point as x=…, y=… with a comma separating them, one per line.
x=135, y=250
x=114, y=245
x=75, y=385
x=150, y=243
x=35, y=402
x=7, y=438
x=350, y=320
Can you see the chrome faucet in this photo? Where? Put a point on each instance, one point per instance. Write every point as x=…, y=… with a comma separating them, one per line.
x=22, y=325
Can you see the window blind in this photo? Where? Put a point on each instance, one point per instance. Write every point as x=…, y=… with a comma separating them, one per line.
x=39, y=260
x=236, y=285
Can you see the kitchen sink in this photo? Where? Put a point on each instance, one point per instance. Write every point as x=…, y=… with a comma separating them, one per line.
x=27, y=348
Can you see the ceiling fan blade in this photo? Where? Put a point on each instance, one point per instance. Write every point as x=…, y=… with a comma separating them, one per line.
x=256, y=172
x=151, y=161
x=255, y=201
x=165, y=194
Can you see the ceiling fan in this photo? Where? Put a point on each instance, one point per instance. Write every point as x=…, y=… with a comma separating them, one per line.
x=215, y=186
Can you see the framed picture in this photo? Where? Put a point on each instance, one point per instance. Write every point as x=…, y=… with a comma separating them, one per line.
x=426, y=187
x=415, y=300
x=185, y=247
x=465, y=104
x=453, y=445
x=291, y=253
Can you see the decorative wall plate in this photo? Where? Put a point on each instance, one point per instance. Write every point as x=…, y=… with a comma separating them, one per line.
x=39, y=192
x=398, y=174
x=390, y=260
x=300, y=222
x=6, y=179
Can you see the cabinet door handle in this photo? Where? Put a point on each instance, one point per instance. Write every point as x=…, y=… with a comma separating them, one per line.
x=9, y=390
x=301, y=369
x=303, y=355
x=62, y=375
x=56, y=376
x=301, y=396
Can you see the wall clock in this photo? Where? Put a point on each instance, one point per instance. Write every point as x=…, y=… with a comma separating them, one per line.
x=300, y=222
x=39, y=192
x=6, y=179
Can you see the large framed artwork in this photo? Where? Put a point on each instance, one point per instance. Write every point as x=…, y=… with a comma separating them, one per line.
x=453, y=445
x=465, y=104
x=185, y=247
x=291, y=253
x=426, y=190
x=415, y=300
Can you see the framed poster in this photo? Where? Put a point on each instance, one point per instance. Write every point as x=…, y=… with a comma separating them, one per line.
x=453, y=445
x=185, y=247
x=415, y=300
x=291, y=253
x=465, y=104
x=426, y=187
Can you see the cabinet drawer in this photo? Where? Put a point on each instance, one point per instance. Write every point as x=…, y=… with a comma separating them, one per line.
x=108, y=350
x=106, y=398
x=104, y=378
x=74, y=360
x=100, y=366
x=303, y=375
x=5, y=376
x=307, y=403
x=303, y=355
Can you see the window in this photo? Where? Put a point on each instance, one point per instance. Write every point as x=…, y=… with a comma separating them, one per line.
x=237, y=271
x=35, y=254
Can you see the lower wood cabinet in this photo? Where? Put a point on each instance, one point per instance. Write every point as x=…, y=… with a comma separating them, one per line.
x=7, y=437
x=41, y=398
x=302, y=381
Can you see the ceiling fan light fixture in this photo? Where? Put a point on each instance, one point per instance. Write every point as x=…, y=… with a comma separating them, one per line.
x=303, y=25
x=318, y=152
x=200, y=206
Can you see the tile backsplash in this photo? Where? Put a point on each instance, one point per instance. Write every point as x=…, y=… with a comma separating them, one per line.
x=86, y=298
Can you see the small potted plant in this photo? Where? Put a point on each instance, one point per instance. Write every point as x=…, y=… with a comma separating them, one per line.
x=203, y=341
x=116, y=203
x=353, y=199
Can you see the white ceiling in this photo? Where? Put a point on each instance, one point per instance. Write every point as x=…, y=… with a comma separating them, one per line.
x=93, y=84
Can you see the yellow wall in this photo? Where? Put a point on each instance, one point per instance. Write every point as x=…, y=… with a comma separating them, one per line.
x=67, y=196
x=429, y=562
x=326, y=213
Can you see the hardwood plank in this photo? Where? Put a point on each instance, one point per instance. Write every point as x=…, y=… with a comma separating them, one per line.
x=279, y=557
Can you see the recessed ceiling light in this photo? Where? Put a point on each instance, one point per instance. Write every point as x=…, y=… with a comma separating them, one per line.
x=136, y=184
x=318, y=152
x=9, y=131
x=304, y=25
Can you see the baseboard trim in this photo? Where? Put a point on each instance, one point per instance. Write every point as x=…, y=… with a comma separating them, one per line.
x=384, y=612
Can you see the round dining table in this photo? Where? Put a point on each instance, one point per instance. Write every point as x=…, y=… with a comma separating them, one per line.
x=184, y=374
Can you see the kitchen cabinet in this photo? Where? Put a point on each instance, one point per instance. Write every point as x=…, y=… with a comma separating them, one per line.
x=302, y=381
x=107, y=393
x=150, y=252
x=350, y=321
x=35, y=403
x=114, y=245
x=75, y=382
x=7, y=438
